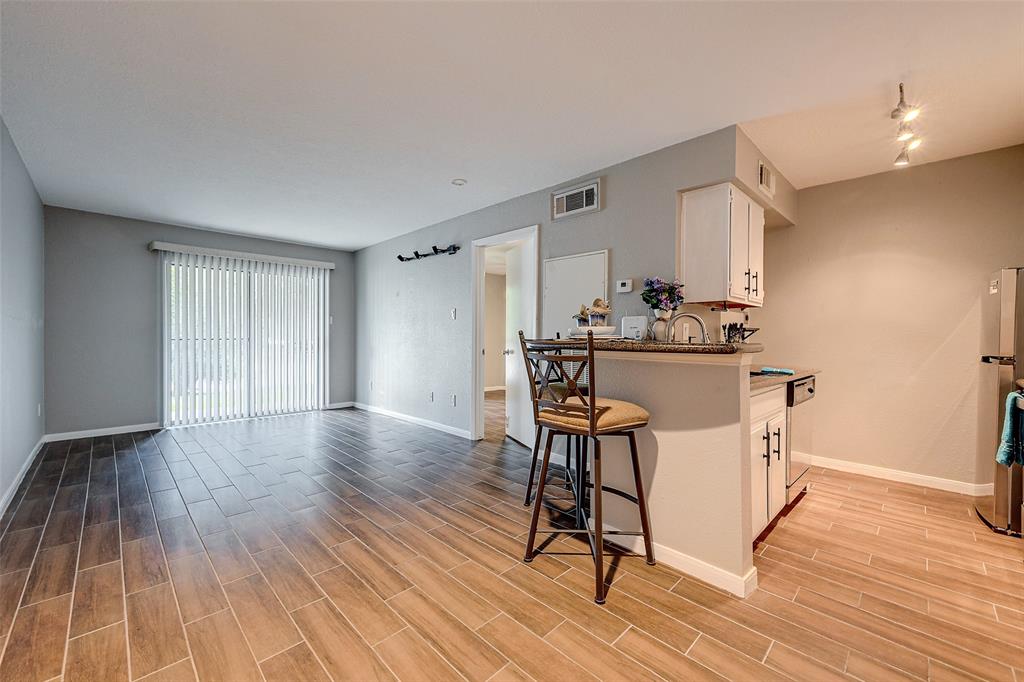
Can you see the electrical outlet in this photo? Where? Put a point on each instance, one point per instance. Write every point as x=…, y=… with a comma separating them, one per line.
x=454, y=404
x=39, y=409
x=453, y=313
x=330, y=320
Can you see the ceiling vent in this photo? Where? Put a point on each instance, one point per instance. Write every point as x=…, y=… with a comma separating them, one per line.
x=766, y=179
x=576, y=200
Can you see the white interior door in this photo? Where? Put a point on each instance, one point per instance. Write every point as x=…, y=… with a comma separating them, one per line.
x=520, y=313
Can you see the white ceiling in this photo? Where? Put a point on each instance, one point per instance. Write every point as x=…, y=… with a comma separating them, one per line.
x=342, y=124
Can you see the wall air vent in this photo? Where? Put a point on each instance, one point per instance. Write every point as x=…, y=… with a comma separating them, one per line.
x=576, y=200
x=765, y=179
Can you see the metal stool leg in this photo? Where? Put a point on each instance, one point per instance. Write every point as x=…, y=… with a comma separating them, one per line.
x=645, y=523
x=533, y=466
x=581, y=481
x=567, y=473
x=599, y=591
x=539, y=501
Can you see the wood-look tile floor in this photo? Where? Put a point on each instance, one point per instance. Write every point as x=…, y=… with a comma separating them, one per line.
x=347, y=545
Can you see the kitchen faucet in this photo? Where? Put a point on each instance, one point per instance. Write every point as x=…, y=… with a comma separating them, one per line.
x=704, y=338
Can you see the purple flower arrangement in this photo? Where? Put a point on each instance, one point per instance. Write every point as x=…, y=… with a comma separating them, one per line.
x=661, y=294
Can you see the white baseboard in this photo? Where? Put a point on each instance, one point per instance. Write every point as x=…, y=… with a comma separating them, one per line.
x=13, y=487
x=109, y=431
x=415, y=420
x=947, y=484
x=740, y=585
x=494, y=388
x=339, y=406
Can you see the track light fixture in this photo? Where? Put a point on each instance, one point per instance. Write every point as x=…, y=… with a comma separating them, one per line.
x=903, y=111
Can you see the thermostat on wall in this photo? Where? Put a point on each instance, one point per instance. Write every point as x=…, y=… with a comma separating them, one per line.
x=623, y=286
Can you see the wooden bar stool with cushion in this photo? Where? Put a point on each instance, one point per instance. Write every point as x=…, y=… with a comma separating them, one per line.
x=579, y=413
x=560, y=391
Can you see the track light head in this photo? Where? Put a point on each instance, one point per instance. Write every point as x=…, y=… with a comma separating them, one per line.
x=903, y=111
x=903, y=159
x=904, y=132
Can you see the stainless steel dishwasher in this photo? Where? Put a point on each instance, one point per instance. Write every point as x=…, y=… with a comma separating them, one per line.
x=797, y=392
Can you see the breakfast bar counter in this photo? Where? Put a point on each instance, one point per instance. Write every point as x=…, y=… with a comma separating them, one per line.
x=694, y=454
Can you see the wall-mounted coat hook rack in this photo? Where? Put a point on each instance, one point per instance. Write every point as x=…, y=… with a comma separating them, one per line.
x=451, y=250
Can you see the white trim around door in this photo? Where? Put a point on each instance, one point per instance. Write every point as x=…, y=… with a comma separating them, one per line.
x=531, y=238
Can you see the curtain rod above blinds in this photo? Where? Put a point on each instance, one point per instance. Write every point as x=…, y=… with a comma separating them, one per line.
x=241, y=255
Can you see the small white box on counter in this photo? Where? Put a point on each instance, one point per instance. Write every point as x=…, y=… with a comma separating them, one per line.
x=634, y=327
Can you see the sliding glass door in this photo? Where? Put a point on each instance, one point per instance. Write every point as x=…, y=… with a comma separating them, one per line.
x=242, y=337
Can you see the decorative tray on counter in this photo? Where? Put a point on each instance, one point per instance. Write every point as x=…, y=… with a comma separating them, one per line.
x=605, y=331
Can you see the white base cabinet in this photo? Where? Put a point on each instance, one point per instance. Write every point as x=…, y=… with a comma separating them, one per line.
x=768, y=458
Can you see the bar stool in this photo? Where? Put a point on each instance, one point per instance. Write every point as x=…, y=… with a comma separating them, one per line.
x=559, y=390
x=582, y=414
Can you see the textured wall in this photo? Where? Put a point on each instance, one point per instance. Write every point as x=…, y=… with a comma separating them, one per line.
x=407, y=343
x=879, y=285
x=103, y=315
x=21, y=314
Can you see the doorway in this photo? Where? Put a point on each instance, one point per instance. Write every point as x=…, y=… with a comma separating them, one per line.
x=495, y=352
x=505, y=291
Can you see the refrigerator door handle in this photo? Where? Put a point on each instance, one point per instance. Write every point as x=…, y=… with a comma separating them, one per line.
x=998, y=359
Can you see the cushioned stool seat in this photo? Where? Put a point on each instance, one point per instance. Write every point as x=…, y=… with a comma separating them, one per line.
x=612, y=415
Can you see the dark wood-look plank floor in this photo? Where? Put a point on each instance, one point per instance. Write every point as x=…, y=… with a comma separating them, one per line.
x=348, y=545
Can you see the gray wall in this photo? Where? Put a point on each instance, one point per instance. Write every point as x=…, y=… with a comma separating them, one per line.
x=408, y=345
x=103, y=316
x=494, y=330
x=21, y=314
x=879, y=285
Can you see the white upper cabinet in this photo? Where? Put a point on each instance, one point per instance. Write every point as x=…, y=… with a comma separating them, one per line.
x=721, y=246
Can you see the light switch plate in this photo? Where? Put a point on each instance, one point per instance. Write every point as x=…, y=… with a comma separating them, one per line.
x=623, y=286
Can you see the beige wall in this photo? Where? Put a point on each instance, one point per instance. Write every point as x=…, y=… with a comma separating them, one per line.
x=494, y=330
x=879, y=286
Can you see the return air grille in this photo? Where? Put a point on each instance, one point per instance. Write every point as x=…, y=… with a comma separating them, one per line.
x=576, y=200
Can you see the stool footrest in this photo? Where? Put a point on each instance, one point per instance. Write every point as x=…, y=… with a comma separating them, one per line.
x=615, y=491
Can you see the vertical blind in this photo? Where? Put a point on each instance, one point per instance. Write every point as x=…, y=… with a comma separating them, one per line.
x=242, y=337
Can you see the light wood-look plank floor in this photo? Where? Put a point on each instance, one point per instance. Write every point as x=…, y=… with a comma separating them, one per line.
x=348, y=545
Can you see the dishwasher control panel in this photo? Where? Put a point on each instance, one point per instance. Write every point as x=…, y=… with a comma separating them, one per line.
x=800, y=391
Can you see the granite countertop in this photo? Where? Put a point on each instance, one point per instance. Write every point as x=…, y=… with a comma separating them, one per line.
x=629, y=345
x=760, y=384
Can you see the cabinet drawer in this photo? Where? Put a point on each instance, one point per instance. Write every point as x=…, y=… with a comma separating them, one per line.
x=767, y=404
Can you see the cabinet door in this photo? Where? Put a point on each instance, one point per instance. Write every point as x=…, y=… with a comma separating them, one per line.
x=739, y=245
x=758, y=479
x=776, y=465
x=756, y=253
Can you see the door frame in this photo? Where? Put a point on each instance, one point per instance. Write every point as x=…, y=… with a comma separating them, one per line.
x=531, y=250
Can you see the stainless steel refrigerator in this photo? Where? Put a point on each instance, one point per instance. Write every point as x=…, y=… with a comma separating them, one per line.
x=1002, y=357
